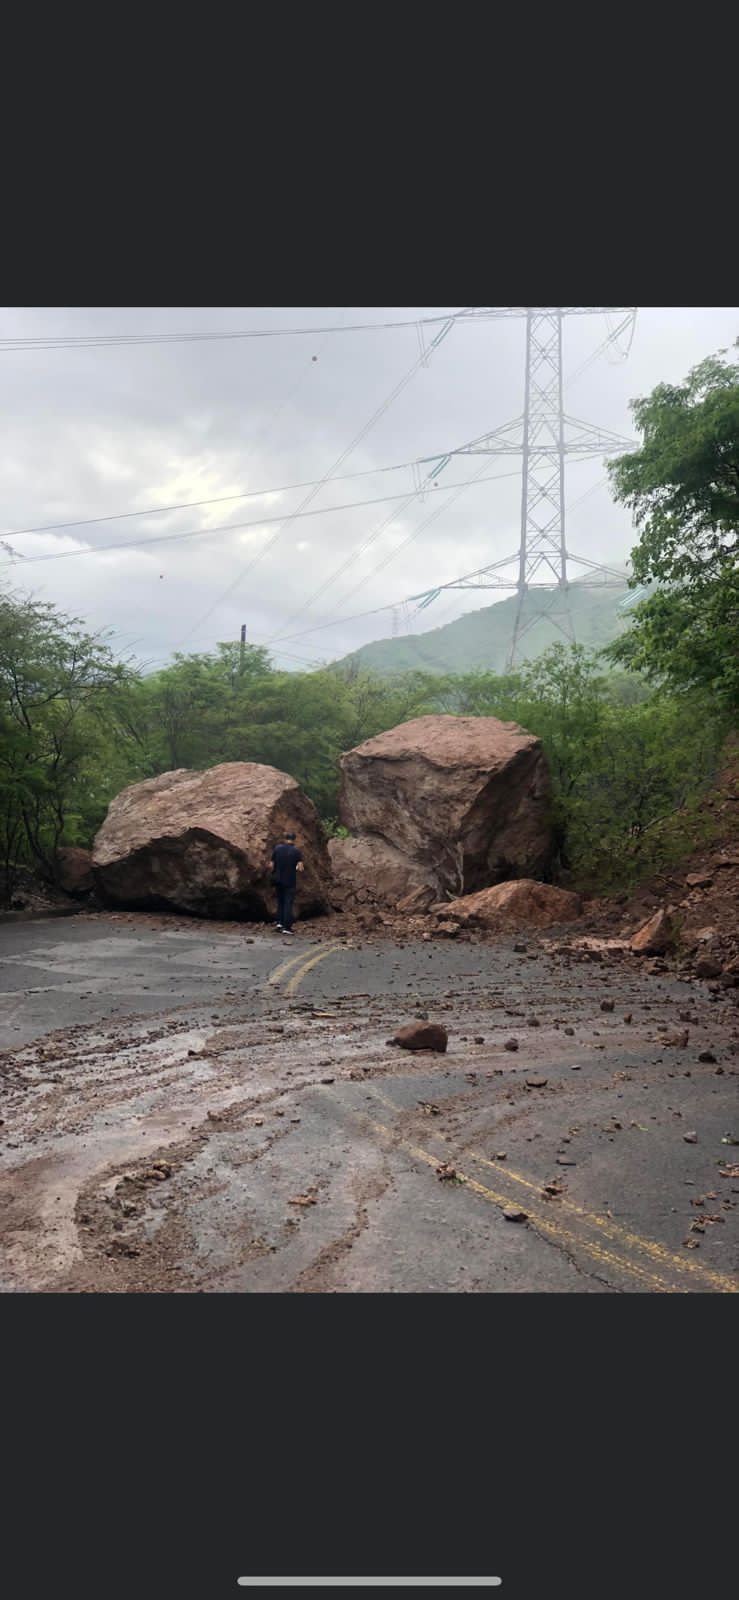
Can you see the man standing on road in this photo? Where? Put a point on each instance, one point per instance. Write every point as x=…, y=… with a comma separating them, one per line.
x=287, y=861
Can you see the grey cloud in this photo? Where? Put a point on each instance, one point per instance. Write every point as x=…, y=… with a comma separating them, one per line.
x=89, y=433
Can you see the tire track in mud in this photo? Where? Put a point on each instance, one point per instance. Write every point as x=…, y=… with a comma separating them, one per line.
x=90, y=1112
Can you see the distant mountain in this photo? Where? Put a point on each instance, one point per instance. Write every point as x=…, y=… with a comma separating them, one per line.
x=481, y=639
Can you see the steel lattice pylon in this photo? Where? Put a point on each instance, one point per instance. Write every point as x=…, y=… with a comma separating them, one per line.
x=544, y=436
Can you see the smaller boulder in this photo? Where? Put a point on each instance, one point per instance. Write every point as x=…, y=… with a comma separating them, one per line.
x=519, y=902
x=422, y=1036
x=655, y=936
x=419, y=900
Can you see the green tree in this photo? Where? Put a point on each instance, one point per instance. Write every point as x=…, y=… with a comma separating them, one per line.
x=682, y=486
x=56, y=686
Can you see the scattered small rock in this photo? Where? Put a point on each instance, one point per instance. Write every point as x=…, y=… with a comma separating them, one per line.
x=707, y=1057
x=514, y=1214
x=123, y=1247
x=690, y=1138
x=706, y=967
x=511, y=1044
x=536, y=1083
x=606, y=1005
x=421, y=1036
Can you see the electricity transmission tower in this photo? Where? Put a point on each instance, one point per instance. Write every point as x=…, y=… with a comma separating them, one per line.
x=544, y=435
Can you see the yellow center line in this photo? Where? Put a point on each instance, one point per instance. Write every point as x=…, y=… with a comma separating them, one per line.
x=614, y=1231
x=540, y=1224
x=280, y=971
x=303, y=971
x=664, y=1256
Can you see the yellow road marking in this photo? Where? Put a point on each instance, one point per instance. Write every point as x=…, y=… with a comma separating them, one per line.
x=540, y=1224
x=613, y=1230
x=303, y=971
x=280, y=971
x=605, y=1225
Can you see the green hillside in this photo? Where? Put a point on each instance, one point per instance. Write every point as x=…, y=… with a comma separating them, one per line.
x=481, y=639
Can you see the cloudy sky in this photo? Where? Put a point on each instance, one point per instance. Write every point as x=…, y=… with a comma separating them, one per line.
x=116, y=431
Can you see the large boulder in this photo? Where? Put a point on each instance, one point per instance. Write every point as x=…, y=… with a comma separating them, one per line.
x=520, y=903
x=465, y=800
x=202, y=842
x=370, y=872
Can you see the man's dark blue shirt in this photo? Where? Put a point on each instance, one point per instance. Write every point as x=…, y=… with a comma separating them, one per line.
x=285, y=858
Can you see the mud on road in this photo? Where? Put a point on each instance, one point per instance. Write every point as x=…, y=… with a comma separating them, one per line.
x=189, y=1108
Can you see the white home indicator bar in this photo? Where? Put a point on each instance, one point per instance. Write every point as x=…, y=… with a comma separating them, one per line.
x=371, y=1583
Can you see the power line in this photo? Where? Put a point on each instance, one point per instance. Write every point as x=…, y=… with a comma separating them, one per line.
x=476, y=478
x=285, y=488
x=92, y=341
x=392, y=554
x=305, y=661
x=422, y=361
x=354, y=555
x=114, y=340
x=226, y=527
x=189, y=505
x=460, y=488
x=609, y=340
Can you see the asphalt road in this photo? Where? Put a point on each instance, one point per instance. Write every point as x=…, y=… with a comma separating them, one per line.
x=198, y=1108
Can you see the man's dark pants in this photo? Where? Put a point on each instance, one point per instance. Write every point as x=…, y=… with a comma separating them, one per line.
x=285, y=901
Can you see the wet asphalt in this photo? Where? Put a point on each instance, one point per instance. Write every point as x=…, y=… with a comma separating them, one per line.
x=304, y=1149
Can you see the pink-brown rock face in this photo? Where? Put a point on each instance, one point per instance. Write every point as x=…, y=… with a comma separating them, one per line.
x=202, y=842
x=465, y=800
x=518, y=904
x=655, y=936
x=369, y=872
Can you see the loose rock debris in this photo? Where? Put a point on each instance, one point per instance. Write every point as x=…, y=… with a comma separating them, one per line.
x=422, y=1036
x=110, y=1084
